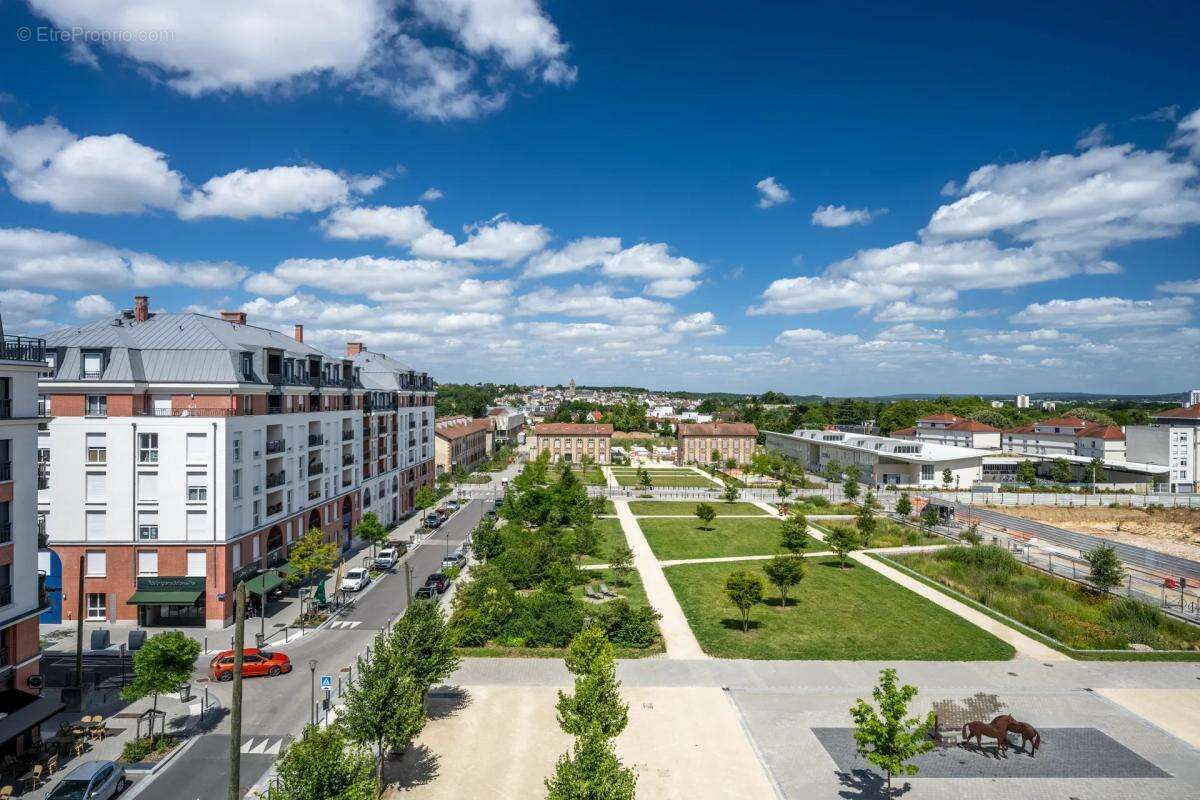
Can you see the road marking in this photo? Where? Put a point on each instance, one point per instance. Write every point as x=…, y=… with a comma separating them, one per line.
x=345, y=624
x=269, y=746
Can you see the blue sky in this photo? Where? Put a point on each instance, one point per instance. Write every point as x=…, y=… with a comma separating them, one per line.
x=810, y=199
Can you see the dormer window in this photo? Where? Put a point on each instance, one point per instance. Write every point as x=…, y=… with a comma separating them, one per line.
x=93, y=364
x=247, y=366
x=52, y=361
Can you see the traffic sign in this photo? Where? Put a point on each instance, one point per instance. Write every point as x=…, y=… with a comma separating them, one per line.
x=326, y=681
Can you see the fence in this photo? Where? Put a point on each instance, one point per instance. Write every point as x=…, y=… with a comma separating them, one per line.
x=1069, y=500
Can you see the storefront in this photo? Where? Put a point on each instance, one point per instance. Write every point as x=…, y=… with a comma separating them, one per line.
x=169, y=601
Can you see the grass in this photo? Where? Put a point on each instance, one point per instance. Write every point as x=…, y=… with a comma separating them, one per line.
x=592, y=476
x=808, y=507
x=689, y=538
x=836, y=614
x=1055, y=607
x=723, y=509
x=678, y=479
x=890, y=534
x=611, y=537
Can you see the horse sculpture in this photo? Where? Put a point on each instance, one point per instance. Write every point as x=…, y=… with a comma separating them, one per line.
x=1027, y=731
x=997, y=730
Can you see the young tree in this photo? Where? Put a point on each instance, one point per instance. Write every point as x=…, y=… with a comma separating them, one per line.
x=591, y=771
x=425, y=498
x=745, y=590
x=706, y=514
x=422, y=646
x=972, y=535
x=730, y=464
x=885, y=737
x=785, y=572
x=1027, y=473
x=1105, y=570
x=930, y=515
x=384, y=705
x=947, y=477
x=842, y=541
x=783, y=490
x=793, y=534
x=869, y=501
x=318, y=766
x=714, y=459
x=850, y=487
x=596, y=705
x=1060, y=470
x=621, y=563
x=371, y=531
x=162, y=664
x=311, y=556
x=1095, y=472
x=866, y=523
x=644, y=479
x=730, y=495
x=904, y=505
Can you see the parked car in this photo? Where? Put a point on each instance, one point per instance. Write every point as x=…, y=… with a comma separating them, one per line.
x=400, y=547
x=255, y=663
x=387, y=558
x=443, y=512
x=455, y=559
x=91, y=780
x=355, y=580
x=452, y=505
x=438, y=582
x=433, y=520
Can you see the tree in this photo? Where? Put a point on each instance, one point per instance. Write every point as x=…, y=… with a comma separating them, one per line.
x=885, y=737
x=1060, y=470
x=833, y=471
x=422, y=646
x=930, y=515
x=745, y=590
x=1095, y=472
x=972, y=535
x=730, y=464
x=793, y=534
x=385, y=705
x=371, y=531
x=842, y=541
x=785, y=572
x=1090, y=414
x=162, y=664
x=866, y=523
x=621, y=563
x=311, y=555
x=1027, y=473
x=730, y=495
x=318, y=766
x=1106, y=571
x=904, y=505
x=706, y=514
x=869, y=501
x=850, y=488
x=783, y=490
x=486, y=541
x=644, y=478
x=425, y=498
x=591, y=771
x=714, y=458
x=947, y=477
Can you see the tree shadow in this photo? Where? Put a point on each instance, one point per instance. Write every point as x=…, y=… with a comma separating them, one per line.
x=774, y=602
x=446, y=701
x=734, y=624
x=417, y=766
x=866, y=784
x=833, y=563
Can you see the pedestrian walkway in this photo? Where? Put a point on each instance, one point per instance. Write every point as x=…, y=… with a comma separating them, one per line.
x=707, y=475
x=678, y=638
x=609, y=478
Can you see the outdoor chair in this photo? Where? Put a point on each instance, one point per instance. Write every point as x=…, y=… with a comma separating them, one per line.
x=51, y=763
x=34, y=778
x=605, y=590
x=591, y=593
x=6, y=792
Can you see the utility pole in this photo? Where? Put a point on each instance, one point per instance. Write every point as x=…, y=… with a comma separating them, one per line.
x=235, y=713
x=79, y=634
x=407, y=584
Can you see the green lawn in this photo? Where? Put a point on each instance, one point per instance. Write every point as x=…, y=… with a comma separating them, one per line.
x=1055, y=607
x=723, y=509
x=592, y=476
x=677, y=479
x=835, y=614
x=808, y=507
x=729, y=536
x=611, y=537
x=890, y=534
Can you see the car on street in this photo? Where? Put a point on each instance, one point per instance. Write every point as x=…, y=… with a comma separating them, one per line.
x=91, y=780
x=434, y=584
x=355, y=580
x=387, y=558
x=452, y=505
x=433, y=520
x=255, y=663
x=455, y=559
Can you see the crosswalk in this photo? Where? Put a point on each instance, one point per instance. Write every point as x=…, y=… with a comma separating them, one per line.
x=263, y=745
x=345, y=624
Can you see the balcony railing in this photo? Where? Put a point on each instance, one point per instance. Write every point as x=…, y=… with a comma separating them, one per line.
x=185, y=412
x=5, y=532
x=6, y=595
x=313, y=494
x=347, y=459
x=275, y=508
x=5, y=470
x=276, y=445
x=347, y=435
x=315, y=440
x=22, y=348
x=315, y=468
x=276, y=479
x=346, y=482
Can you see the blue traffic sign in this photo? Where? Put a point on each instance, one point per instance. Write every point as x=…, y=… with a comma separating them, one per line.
x=326, y=681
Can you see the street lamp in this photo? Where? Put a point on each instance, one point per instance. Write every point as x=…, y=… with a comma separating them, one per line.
x=312, y=706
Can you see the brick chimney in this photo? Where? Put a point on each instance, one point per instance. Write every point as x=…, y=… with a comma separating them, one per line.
x=354, y=348
x=299, y=333
x=237, y=317
x=141, y=308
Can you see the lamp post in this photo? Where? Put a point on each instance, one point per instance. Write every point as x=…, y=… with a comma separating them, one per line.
x=312, y=683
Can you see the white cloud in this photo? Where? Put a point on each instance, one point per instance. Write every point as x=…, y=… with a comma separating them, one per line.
x=671, y=287
x=590, y=251
x=841, y=217
x=93, y=306
x=772, y=193
x=1101, y=197
x=24, y=311
x=1187, y=135
x=34, y=257
x=910, y=332
x=498, y=239
x=98, y=174
x=431, y=194
x=274, y=192
x=516, y=30
x=703, y=323
x=593, y=301
x=811, y=337
x=715, y=358
x=904, y=311
x=355, y=275
x=806, y=294
x=1103, y=312
x=1180, y=287
x=667, y=275
x=1094, y=137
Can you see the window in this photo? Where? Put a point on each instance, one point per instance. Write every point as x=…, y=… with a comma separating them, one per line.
x=97, y=405
x=93, y=365
x=237, y=447
x=147, y=487
x=43, y=405
x=97, y=449
x=237, y=484
x=236, y=550
x=148, y=448
x=97, y=607
x=52, y=361
x=197, y=487
x=94, y=525
x=197, y=525
x=256, y=548
x=197, y=564
x=148, y=526
x=197, y=453
x=43, y=467
x=147, y=563
x=247, y=366
x=96, y=485
x=96, y=564
x=927, y=472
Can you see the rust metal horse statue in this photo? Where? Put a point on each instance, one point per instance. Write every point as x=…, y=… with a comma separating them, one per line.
x=998, y=731
x=1027, y=731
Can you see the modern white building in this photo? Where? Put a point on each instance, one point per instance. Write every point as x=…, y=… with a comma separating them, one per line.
x=185, y=453
x=1066, y=436
x=881, y=460
x=1193, y=398
x=1022, y=401
x=952, y=430
x=1172, y=440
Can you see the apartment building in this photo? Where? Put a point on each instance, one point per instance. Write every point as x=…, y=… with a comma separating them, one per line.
x=572, y=442
x=1171, y=440
x=185, y=453
x=952, y=430
x=508, y=426
x=22, y=589
x=1066, y=437
x=462, y=443
x=698, y=442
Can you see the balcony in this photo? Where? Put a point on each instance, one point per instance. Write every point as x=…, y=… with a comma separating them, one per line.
x=275, y=378
x=5, y=470
x=346, y=482
x=276, y=479
x=313, y=494
x=186, y=412
x=6, y=595
x=315, y=468
x=276, y=446
x=347, y=435
x=275, y=508
x=22, y=348
x=315, y=440
x=347, y=459
x=5, y=532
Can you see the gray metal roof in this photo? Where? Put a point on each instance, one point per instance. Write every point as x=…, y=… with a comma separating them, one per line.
x=379, y=372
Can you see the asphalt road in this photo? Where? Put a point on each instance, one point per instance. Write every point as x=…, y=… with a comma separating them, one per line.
x=274, y=709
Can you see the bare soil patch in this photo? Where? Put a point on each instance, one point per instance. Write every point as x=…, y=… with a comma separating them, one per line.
x=1175, y=531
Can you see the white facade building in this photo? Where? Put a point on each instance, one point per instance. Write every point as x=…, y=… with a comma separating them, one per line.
x=1172, y=440
x=881, y=460
x=1022, y=401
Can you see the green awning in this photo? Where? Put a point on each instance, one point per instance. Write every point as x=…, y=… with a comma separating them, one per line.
x=146, y=598
x=285, y=568
x=264, y=583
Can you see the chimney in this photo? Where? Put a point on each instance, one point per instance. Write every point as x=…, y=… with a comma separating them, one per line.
x=141, y=308
x=299, y=333
x=237, y=317
x=354, y=348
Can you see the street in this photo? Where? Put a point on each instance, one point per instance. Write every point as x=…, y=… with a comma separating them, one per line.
x=278, y=708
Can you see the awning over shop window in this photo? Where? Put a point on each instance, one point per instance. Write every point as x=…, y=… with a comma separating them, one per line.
x=285, y=569
x=167, y=590
x=23, y=711
x=146, y=598
x=264, y=583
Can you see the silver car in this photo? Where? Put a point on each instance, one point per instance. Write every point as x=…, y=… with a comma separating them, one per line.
x=91, y=780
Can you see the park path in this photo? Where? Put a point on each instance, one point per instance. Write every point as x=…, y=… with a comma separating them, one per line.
x=610, y=478
x=677, y=634
x=699, y=471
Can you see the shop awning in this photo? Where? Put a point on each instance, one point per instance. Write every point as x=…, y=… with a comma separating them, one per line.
x=149, y=598
x=285, y=569
x=23, y=711
x=264, y=583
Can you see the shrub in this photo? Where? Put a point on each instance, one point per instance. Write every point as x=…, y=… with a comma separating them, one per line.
x=140, y=749
x=988, y=558
x=626, y=626
x=547, y=619
x=818, y=502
